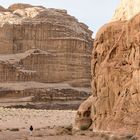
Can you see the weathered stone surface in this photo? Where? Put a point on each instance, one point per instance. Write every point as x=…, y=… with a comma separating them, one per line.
x=116, y=77
x=115, y=83
x=44, y=45
x=126, y=10
x=37, y=91
x=21, y=6
x=16, y=6
x=83, y=117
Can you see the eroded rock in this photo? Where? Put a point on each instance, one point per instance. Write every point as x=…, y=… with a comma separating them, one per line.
x=44, y=45
x=126, y=10
x=115, y=70
x=116, y=76
x=83, y=116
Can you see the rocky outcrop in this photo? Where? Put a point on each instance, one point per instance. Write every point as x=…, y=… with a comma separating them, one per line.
x=44, y=45
x=83, y=116
x=126, y=10
x=116, y=78
x=20, y=6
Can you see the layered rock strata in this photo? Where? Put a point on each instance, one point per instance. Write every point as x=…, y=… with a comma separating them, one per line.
x=37, y=91
x=43, y=45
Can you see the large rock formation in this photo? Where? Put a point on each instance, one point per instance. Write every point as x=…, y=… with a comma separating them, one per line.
x=43, y=45
x=116, y=78
x=126, y=10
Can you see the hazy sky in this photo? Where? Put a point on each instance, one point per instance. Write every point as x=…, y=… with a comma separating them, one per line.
x=94, y=13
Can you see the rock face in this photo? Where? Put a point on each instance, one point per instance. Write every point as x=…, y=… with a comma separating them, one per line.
x=126, y=10
x=43, y=45
x=116, y=78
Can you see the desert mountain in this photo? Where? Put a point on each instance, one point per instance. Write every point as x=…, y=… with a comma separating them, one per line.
x=40, y=46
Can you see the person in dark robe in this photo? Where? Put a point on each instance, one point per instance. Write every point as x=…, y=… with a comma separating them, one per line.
x=31, y=130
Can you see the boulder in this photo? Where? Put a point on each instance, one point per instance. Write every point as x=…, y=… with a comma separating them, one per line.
x=83, y=119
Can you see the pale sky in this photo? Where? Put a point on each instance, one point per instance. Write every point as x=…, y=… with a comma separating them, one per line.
x=94, y=13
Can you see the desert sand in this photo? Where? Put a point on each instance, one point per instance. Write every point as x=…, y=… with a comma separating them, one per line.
x=15, y=123
x=23, y=118
x=48, y=125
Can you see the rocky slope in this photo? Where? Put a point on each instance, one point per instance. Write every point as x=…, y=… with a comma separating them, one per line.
x=43, y=45
x=115, y=79
x=126, y=10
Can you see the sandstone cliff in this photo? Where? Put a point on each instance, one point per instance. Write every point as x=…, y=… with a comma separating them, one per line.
x=44, y=45
x=115, y=83
x=126, y=10
x=115, y=79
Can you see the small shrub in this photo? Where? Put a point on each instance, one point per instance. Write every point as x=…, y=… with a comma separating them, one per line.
x=84, y=127
x=14, y=129
x=39, y=135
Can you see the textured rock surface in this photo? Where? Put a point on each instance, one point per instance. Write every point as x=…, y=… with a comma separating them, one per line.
x=19, y=6
x=43, y=45
x=126, y=10
x=42, y=91
x=116, y=77
x=83, y=116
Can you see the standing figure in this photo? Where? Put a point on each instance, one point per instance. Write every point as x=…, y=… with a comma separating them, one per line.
x=31, y=130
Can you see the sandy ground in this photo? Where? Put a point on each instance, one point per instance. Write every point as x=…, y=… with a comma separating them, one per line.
x=23, y=118
x=14, y=123
x=48, y=125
